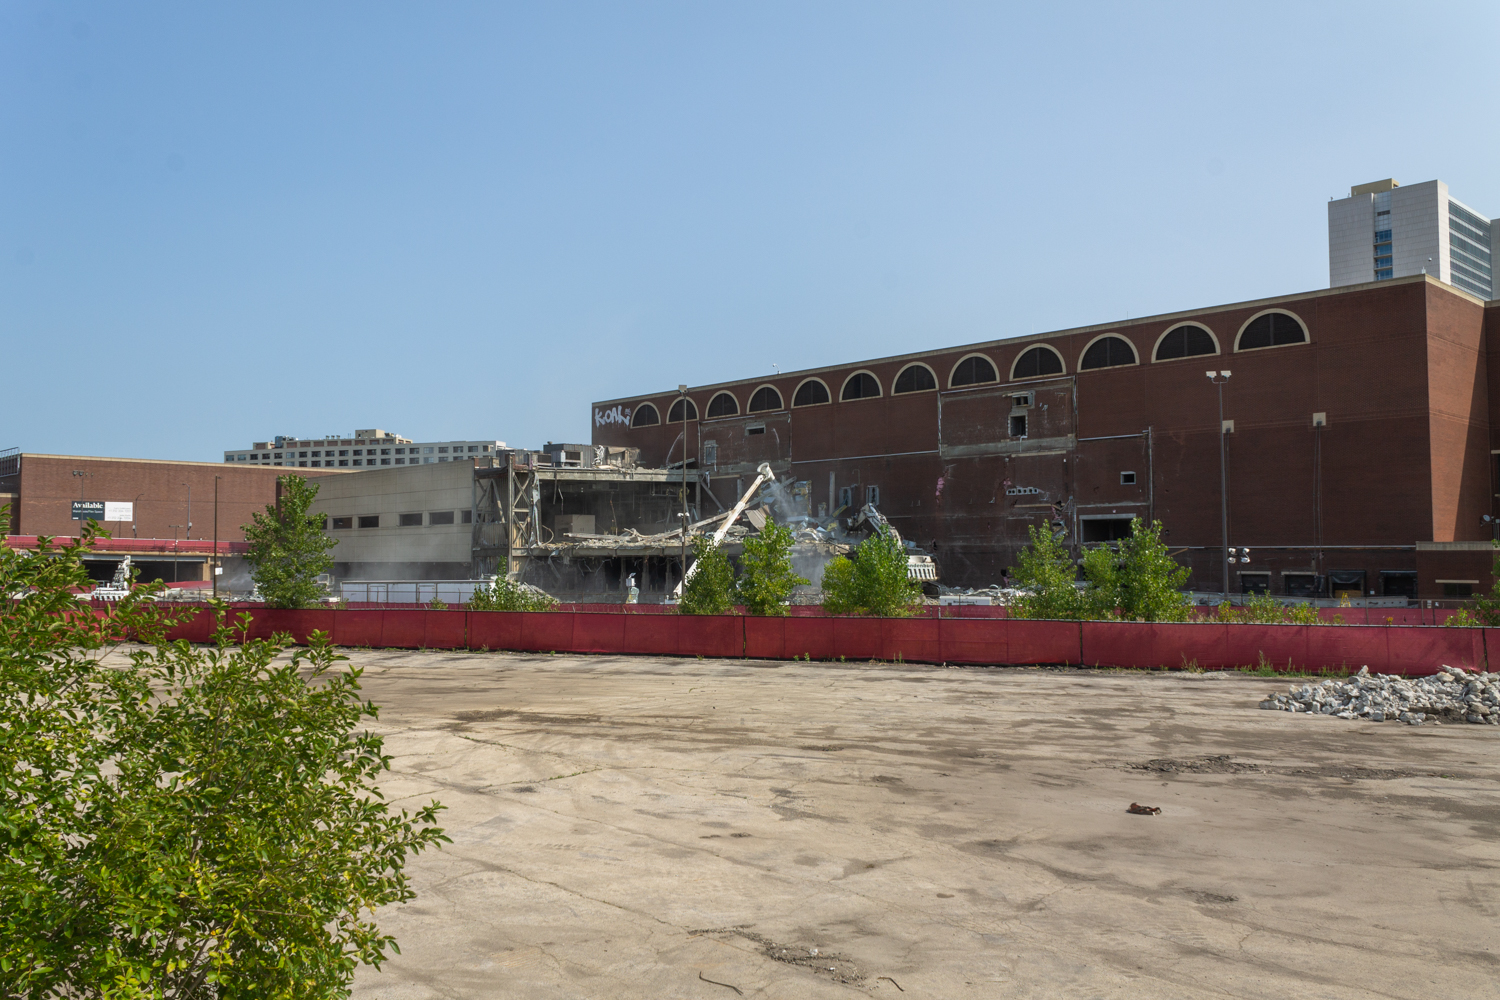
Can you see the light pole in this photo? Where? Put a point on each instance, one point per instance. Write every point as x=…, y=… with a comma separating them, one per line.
x=215, y=570
x=189, y=534
x=174, y=528
x=686, y=517
x=1218, y=379
x=133, y=532
x=80, y=475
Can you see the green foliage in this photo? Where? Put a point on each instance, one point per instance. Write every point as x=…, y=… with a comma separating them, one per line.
x=710, y=590
x=1264, y=609
x=1046, y=571
x=190, y=823
x=1137, y=581
x=288, y=549
x=1484, y=609
x=767, y=581
x=509, y=595
x=872, y=580
x=437, y=604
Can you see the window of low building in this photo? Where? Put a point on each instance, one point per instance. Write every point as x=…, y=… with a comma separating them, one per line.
x=860, y=385
x=914, y=378
x=723, y=405
x=409, y=520
x=765, y=398
x=1037, y=362
x=440, y=517
x=1458, y=588
x=973, y=370
x=1108, y=352
x=645, y=415
x=369, y=520
x=1274, y=329
x=1398, y=583
x=810, y=393
x=1186, y=341
x=343, y=522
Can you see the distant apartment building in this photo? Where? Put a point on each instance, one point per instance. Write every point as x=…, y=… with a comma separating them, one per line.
x=1383, y=231
x=364, y=449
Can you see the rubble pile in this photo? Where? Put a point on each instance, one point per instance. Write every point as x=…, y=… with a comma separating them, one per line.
x=1453, y=694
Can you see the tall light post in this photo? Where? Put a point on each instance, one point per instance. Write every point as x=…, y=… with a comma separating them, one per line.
x=682, y=400
x=215, y=569
x=1218, y=379
x=174, y=528
x=189, y=534
x=133, y=517
x=81, y=476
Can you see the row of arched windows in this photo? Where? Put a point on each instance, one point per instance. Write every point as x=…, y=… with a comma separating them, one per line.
x=1186, y=340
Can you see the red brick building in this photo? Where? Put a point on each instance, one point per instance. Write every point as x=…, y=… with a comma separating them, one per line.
x=165, y=498
x=1359, y=431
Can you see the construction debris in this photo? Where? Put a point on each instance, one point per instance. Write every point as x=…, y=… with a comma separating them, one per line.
x=1140, y=810
x=1453, y=694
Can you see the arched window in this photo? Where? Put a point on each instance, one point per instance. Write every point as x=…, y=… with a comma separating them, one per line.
x=1186, y=341
x=973, y=370
x=645, y=415
x=723, y=405
x=860, y=385
x=1037, y=362
x=810, y=393
x=1272, y=329
x=1108, y=352
x=914, y=378
x=674, y=415
x=765, y=398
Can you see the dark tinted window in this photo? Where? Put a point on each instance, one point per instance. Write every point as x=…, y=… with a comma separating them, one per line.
x=645, y=415
x=410, y=520
x=1035, y=363
x=1185, y=342
x=343, y=522
x=674, y=415
x=723, y=405
x=810, y=393
x=369, y=520
x=972, y=371
x=1107, y=352
x=1272, y=330
x=440, y=517
x=765, y=398
x=914, y=378
x=860, y=386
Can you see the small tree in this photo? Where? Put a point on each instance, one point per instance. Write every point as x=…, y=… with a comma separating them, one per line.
x=1147, y=585
x=1484, y=609
x=872, y=581
x=710, y=590
x=767, y=581
x=1046, y=571
x=288, y=549
x=510, y=595
x=188, y=823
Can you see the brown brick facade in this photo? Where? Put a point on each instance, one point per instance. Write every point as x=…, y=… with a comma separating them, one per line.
x=1400, y=368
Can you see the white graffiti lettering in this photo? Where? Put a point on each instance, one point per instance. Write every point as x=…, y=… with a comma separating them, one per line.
x=613, y=415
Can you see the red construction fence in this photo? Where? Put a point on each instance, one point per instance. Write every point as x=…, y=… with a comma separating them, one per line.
x=1207, y=645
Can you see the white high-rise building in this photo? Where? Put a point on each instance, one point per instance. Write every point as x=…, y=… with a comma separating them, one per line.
x=366, y=449
x=1383, y=230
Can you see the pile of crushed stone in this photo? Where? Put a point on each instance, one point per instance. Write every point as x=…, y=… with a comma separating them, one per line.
x=1452, y=694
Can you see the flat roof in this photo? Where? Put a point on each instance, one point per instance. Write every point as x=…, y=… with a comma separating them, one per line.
x=1073, y=331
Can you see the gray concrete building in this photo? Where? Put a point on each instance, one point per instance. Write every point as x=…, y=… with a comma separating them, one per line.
x=409, y=523
x=364, y=449
x=1383, y=231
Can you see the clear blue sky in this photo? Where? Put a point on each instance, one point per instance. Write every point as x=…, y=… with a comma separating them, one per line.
x=220, y=222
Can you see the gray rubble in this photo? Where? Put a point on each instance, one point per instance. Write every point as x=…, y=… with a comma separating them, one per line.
x=1453, y=694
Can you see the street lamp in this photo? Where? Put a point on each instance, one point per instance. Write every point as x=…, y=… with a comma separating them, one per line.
x=1218, y=379
x=215, y=570
x=174, y=528
x=133, y=532
x=189, y=534
x=685, y=515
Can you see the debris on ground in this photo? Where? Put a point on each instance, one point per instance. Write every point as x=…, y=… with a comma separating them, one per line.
x=1452, y=694
x=1140, y=810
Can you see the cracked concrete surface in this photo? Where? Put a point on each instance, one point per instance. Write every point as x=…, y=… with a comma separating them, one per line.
x=638, y=827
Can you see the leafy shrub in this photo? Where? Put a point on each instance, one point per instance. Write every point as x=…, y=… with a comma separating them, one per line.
x=191, y=823
x=767, y=579
x=1264, y=609
x=510, y=595
x=710, y=590
x=1138, y=580
x=1483, y=609
x=872, y=580
x=288, y=549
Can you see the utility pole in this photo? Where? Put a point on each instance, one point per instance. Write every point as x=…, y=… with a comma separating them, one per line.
x=215, y=570
x=174, y=528
x=686, y=516
x=134, y=517
x=190, y=511
x=1218, y=379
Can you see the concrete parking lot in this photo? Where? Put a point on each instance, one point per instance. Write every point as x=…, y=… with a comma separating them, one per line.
x=637, y=827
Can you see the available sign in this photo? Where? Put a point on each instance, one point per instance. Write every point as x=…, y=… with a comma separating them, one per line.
x=103, y=510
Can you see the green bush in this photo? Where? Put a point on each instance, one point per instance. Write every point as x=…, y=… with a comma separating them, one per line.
x=1138, y=580
x=767, y=581
x=1483, y=609
x=1264, y=609
x=509, y=595
x=191, y=822
x=710, y=590
x=288, y=549
x=1046, y=571
x=872, y=580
